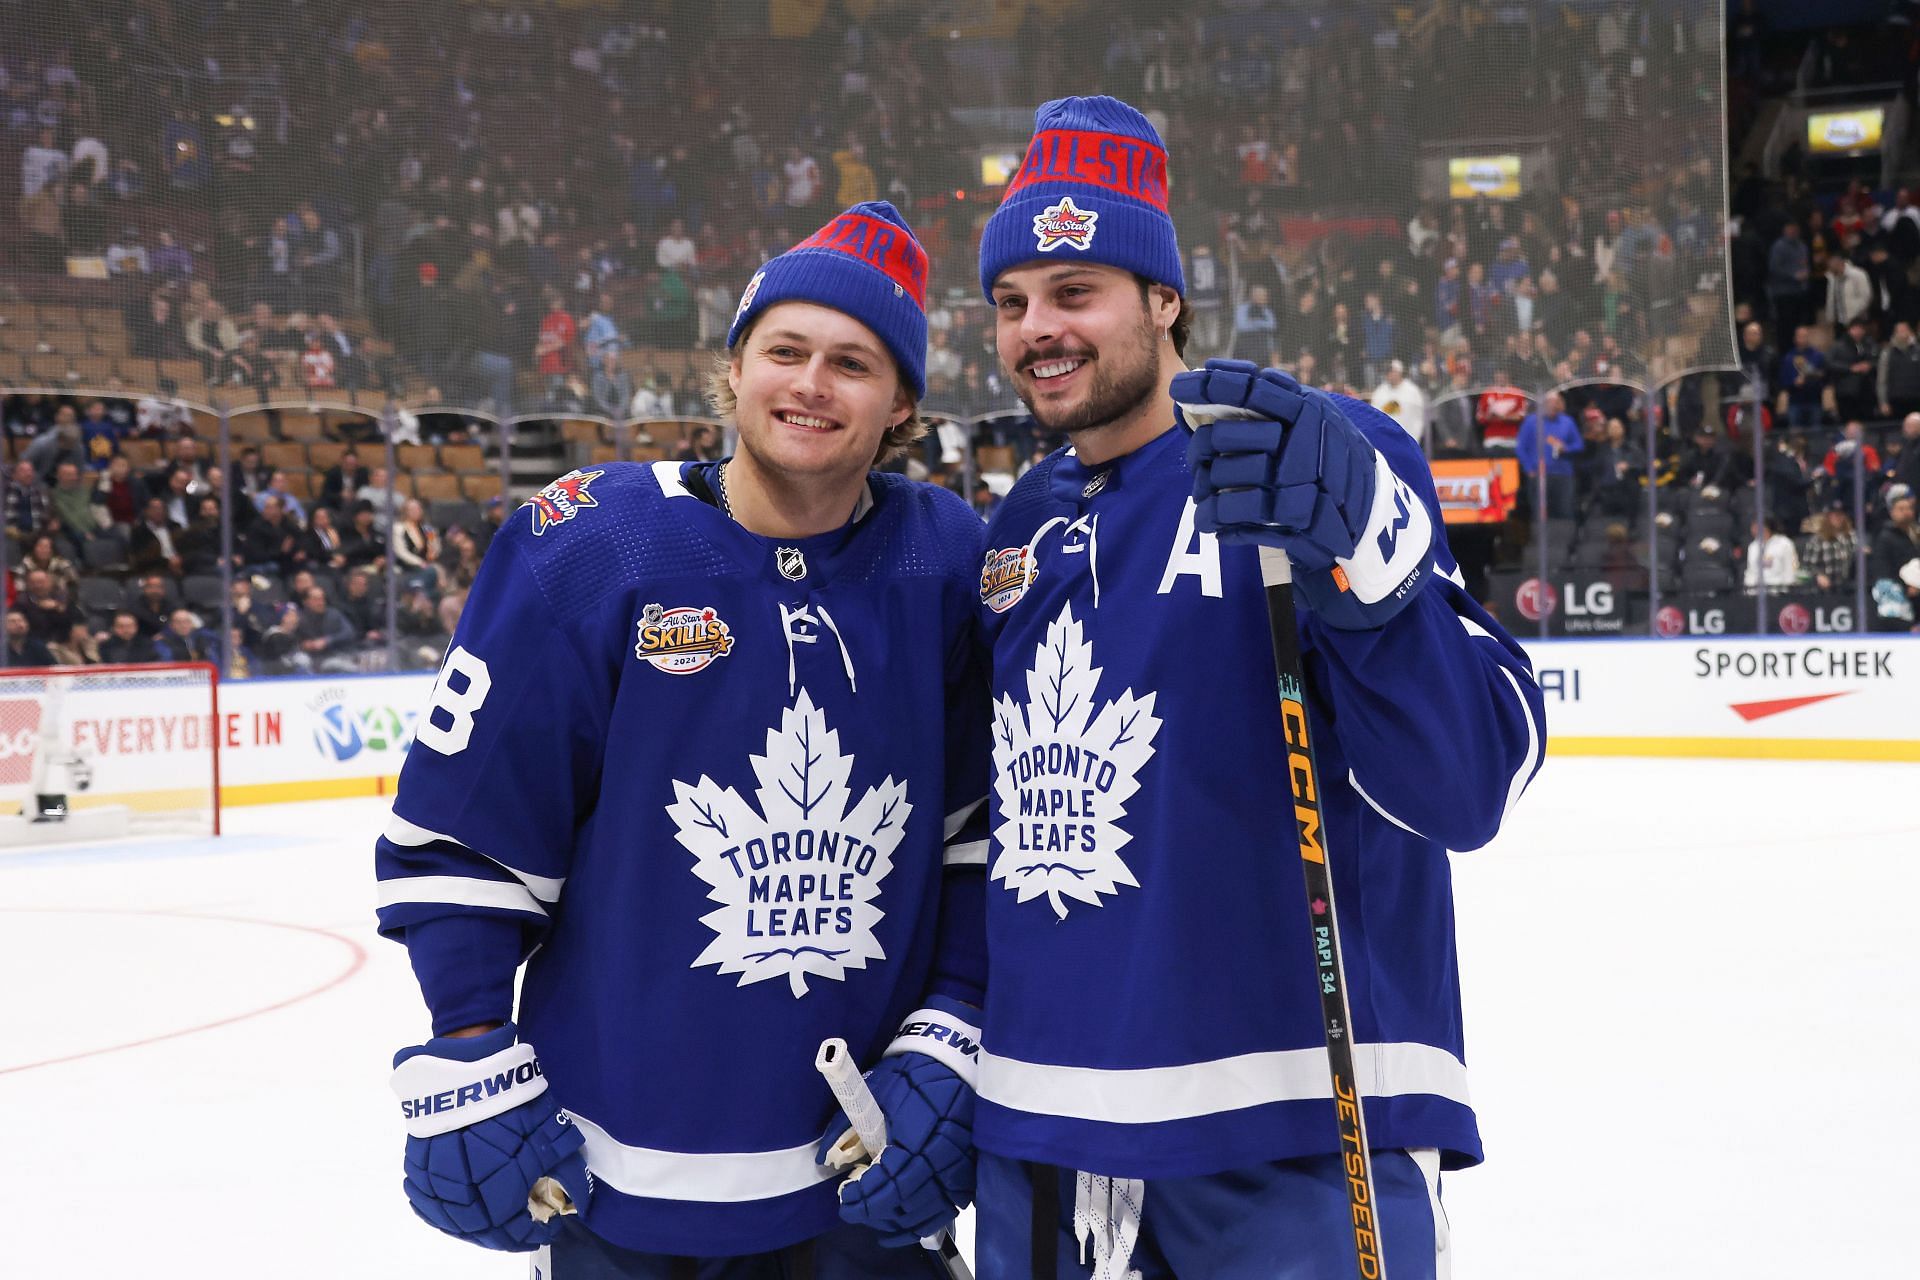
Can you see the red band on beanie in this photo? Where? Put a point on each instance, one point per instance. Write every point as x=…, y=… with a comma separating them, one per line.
x=879, y=244
x=1131, y=166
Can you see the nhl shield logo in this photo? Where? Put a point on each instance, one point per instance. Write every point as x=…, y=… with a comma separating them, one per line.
x=791, y=563
x=1063, y=224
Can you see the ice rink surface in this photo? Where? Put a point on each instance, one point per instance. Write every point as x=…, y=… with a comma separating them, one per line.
x=1692, y=993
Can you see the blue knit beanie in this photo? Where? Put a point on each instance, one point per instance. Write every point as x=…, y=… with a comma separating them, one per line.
x=1093, y=188
x=867, y=263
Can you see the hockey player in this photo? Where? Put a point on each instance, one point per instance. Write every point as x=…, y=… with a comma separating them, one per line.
x=1153, y=1080
x=705, y=747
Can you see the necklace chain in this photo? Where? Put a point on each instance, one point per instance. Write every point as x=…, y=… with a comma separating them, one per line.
x=720, y=483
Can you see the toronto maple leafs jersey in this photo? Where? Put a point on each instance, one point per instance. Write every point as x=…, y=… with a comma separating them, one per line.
x=729, y=792
x=1153, y=1006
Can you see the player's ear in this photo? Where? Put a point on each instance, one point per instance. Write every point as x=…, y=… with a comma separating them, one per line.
x=733, y=371
x=903, y=405
x=1163, y=305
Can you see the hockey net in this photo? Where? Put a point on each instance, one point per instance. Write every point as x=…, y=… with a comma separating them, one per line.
x=99, y=752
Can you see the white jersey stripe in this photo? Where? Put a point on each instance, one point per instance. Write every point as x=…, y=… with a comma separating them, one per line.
x=971, y=854
x=1518, y=783
x=1153, y=1095
x=458, y=891
x=407, y=835
x=1375, y=805
x=722, y=1177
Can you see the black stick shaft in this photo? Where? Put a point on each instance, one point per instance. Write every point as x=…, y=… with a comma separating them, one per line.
x=1303, y=777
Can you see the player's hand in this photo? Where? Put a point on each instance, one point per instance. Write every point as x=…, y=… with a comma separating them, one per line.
x=925, y=1175
x=1281, y=465
x=481, y=1131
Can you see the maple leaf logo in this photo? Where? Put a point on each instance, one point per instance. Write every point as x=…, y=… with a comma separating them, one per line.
x=798, y=869
x=1064, y=773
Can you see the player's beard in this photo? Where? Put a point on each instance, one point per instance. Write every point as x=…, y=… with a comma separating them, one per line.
x=1124, y=378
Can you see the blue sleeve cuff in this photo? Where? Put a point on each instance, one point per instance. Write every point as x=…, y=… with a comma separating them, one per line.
x=465, y=966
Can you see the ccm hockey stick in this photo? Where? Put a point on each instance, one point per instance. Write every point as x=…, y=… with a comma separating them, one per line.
x=1303, y=776
x=870, y=1127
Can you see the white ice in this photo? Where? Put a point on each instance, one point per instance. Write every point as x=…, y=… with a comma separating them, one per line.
x=1691, y=997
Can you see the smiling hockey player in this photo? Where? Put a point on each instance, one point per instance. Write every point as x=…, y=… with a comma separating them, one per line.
x=709, y=746
x=1153, y=1089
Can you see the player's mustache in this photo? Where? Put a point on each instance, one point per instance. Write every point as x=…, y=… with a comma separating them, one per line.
x=1056, y=353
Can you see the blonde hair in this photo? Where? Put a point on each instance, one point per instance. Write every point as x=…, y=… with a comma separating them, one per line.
x=894, y=443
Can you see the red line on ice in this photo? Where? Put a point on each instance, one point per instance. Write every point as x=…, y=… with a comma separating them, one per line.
x=358, y=953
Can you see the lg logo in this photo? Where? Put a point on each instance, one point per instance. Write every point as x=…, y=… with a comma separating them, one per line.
x=1593, y=599
x=1699, y=622
x=1797, y=619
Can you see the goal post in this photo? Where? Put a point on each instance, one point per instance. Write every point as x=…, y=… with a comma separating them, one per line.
x=106, y=751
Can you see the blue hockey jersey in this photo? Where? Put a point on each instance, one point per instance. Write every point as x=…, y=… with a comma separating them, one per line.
x=720, y=787
x=1153, y=1009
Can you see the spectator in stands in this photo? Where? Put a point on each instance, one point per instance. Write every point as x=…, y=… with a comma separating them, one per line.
x=1906, y=465
x=250, y=367
x=1789, y=277
x=1618, y=466
x=364, y=609
x=1710, y=462
x=361, y=543
x=1852, y=364
x=99, y=435
x=72, y=512
x=602, y=333
x=1849, y=292
x=126, y=255
x=252, y=615
x=317, y=365
x=58, y=443
x=171, y=259
x=1550, y=434
x=416, y=545
x=186, y=639
x=211, y=335
x=29, y=506
x=154, y=332
x=43, y=165
x=324, y=639
x=1899, y=380
x=1831, y=550
x=276, y=487
x=553, y=352
x=117, y=493
x=612, y=385
x=1255, y=330
x=272, y=543
x=653, y=402
x=1851, y=452
x=1401, y=399
x=493, y=515
x=320, y=541
x=1774, y=561
x=199, y=542
x=151, y=607
x=43, y=556
x=124, y=642
x=24, y=649
x=47, y=606
x=675, y=251
x=1891, y=571
x=423, y=639
x=1802, y=380
x=340, y=486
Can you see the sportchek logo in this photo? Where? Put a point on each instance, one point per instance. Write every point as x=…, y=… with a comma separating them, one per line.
x=1751, y=711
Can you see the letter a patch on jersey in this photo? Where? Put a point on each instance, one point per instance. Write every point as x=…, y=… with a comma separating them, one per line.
x=797, y=870
x=1063, y=773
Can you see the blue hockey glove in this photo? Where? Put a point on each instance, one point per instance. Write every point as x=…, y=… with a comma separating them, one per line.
x=924, y=1085
x=1278, y=464
x=481, y=1131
